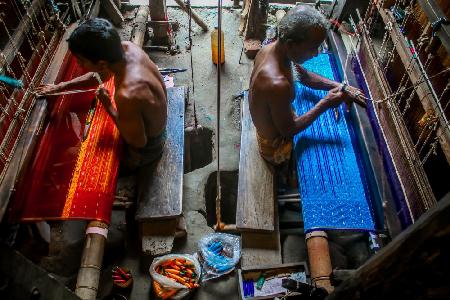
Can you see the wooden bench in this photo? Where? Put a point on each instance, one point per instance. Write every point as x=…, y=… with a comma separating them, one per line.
x=160, y=187
x=256, y=214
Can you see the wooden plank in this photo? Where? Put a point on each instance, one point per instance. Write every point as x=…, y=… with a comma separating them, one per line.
x=112, y=11
x=160, y=193
x=405, y=160
x=402, y=269
x=256, y=196
x=158, y=236
x=261, y=248
x=94, y=9
x=55, y=68
x=19, y=34
x=23, y=153
x=427, y=96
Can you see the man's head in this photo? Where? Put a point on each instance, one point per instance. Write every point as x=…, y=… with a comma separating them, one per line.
x=96, y=44
x=302, y=30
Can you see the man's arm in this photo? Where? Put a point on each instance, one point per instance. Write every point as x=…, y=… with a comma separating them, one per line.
x=315, y=81
x=285, y=120
x=84, y=81
x=318, y=82
x=129, y=121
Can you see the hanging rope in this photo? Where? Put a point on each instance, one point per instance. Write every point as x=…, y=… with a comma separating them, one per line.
x=219, y=53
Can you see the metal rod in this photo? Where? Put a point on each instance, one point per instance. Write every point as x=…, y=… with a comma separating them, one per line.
x=219, y=65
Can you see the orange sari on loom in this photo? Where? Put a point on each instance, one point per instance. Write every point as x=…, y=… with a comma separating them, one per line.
x=72, y=178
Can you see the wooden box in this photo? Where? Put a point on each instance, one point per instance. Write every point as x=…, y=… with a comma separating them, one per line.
x=272, y=270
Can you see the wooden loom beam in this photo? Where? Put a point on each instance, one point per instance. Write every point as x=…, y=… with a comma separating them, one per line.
x=402, y=269
x=424, y=91
x=406, y=162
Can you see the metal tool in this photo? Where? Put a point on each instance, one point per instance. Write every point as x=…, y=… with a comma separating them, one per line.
x=165, y=71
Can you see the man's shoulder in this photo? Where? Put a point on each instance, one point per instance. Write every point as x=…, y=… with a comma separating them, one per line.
x=270, y=83
x=132, y=91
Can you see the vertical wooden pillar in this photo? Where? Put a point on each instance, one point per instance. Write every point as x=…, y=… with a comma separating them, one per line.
x=256, y=19
x=319, y=259
x=158, y=12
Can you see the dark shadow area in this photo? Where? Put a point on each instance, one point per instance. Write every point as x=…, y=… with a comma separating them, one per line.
x=228, y=183
x=197, y=148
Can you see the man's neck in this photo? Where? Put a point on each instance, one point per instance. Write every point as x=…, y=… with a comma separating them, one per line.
x=118, y=68
x=280, y=52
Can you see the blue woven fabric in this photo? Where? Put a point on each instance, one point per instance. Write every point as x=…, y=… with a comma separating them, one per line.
x=330, y=183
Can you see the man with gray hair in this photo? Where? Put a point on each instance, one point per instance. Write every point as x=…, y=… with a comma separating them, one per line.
x=300, y=33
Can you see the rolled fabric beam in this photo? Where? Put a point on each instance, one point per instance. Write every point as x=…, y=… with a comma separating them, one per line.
x=91, y=261
x=319, y=259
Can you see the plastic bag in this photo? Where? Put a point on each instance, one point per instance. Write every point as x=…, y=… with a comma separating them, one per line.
x=166, y=287
x=219, y=253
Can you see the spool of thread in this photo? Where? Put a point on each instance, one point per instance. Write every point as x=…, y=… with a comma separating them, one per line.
x=122, y=277
x=18, y=84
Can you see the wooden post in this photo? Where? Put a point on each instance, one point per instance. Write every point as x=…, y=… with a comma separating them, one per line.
x=319, y=259
x=257, y=19
x=244, y=16
x=91, y=260
x=140, y=25
x=158, y=12
x=112, y=11
x=195, y=17
x=414, y=265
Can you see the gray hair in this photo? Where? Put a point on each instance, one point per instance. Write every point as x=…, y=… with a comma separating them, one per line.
x=296, y=24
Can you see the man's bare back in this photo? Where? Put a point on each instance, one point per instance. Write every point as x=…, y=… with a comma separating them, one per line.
x=140, y=91
x=267, y=77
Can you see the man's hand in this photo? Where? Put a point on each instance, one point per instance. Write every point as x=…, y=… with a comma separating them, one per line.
x=354, y=95
x=45, y=89
x=104, y=97
x=334, y=98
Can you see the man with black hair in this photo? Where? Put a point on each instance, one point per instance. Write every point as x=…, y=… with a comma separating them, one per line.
x=140, y=93
x=301, y=31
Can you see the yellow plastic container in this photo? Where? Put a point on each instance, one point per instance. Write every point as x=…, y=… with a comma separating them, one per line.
x=215, y=46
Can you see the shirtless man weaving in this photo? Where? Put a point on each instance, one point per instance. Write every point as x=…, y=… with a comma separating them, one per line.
x=300, y=32
x=140, y=94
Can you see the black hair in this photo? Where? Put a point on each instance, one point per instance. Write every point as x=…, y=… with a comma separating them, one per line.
x=96, y=39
